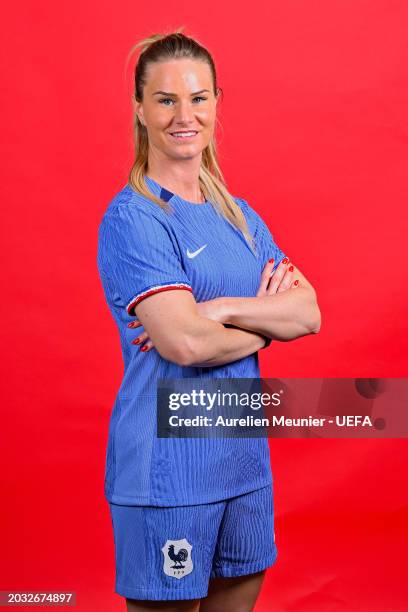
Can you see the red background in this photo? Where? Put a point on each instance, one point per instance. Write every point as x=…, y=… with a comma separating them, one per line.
x=315, y=138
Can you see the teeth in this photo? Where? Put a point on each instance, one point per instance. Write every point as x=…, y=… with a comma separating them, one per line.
x=183, y=134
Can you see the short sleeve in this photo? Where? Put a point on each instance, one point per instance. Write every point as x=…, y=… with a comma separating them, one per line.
x=137, y=253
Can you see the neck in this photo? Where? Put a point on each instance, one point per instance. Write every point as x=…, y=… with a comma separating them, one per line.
x=178, y=176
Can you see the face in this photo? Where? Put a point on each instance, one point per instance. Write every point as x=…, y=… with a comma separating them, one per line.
x=178, y=108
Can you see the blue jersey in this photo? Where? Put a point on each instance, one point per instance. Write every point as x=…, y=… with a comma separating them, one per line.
x=143, y=250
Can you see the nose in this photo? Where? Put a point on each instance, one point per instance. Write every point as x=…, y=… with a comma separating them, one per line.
x=184, y=114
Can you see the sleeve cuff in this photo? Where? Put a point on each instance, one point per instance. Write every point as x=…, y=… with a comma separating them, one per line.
x=151, y=291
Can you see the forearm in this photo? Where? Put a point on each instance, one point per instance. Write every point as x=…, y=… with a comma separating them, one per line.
x=283, y=316
x=209, y=344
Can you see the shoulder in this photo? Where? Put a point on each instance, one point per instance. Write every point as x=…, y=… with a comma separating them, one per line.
x=129, y=207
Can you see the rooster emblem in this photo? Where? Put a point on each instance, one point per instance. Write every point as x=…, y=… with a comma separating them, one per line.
x=177, y=558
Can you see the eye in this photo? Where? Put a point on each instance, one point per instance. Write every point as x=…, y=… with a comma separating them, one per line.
x=162, y=100
x=199, y=98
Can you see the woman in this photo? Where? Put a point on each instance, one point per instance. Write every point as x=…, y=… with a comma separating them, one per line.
x=193, y=518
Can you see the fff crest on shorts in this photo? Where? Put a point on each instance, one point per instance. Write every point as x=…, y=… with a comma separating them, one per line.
x=177, y=558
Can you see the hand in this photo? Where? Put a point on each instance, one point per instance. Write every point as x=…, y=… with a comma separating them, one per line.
x=143, y=337
x=281, y=279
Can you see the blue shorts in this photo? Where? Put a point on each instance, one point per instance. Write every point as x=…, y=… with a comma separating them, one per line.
x=170, y=553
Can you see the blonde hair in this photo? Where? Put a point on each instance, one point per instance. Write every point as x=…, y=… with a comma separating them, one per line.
x=161, y=47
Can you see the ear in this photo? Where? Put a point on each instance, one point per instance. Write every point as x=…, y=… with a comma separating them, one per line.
x=218, y=95
x=138, y=110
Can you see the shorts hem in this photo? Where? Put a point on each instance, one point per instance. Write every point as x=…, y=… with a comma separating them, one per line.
x=230, y=571
x=160, y=595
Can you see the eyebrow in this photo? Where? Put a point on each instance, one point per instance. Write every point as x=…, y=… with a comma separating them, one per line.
x=166, y=93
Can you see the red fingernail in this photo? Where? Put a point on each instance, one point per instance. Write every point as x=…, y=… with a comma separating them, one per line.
x=285, y=260
x=290, y=268
x=144, y=348
x=296, y=282
x=136, y=341
x=271, y=260
x=130, y=324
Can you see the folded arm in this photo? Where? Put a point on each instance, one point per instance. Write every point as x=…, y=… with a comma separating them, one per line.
x=181, y=335
x=283, y=316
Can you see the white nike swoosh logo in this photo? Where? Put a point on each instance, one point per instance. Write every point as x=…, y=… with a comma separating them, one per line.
x=195, y=253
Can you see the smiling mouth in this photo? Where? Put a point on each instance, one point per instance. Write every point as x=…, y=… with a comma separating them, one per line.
x=184, y=135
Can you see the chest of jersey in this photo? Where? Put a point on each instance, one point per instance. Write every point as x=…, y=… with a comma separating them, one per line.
x=215, y=256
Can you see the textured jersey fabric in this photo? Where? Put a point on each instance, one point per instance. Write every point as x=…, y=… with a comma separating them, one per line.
x=143, y=250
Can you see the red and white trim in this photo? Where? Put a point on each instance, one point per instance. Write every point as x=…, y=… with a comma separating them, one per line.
x=141, y=296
